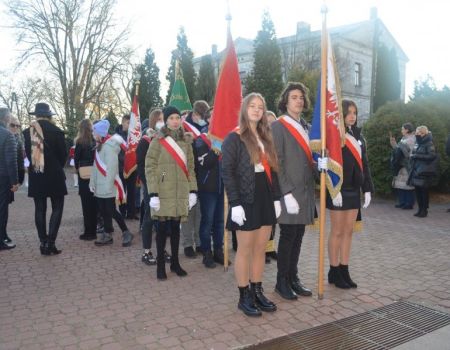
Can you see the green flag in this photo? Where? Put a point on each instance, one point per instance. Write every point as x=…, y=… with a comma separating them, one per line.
x=179, y=97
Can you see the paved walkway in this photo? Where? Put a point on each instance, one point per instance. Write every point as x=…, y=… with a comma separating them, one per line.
x=106, y=298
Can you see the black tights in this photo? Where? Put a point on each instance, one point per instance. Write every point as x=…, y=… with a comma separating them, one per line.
x=165, y=228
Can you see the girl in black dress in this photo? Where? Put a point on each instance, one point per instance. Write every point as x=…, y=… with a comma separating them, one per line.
x=249, y=164
x=345, y=206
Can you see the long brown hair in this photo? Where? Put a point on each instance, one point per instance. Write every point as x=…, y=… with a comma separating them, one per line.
x=153, y=118
x=84, y=136
x=263, y=130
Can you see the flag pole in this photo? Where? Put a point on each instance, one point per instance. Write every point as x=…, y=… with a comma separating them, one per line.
x=323, y=82
x=225, y=204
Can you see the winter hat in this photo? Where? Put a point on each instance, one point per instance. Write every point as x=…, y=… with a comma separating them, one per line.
x=101, y=127
x=168, y=111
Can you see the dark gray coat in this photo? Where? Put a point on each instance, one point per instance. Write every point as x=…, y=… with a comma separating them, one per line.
x=295, y=175
x=8, y=156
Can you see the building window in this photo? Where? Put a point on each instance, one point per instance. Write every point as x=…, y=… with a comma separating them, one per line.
x=357, y=74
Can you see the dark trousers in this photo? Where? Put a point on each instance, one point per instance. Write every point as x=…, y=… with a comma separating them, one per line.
x=289, y=246
x=405, y=198
x=211, y=208
x=146, y=220
x=40, y=212
x=106, y=207
x=129, y=209
x=5, y=195
x=118, y=218
x=168, y=228
x=422, y=198
x=89, y=207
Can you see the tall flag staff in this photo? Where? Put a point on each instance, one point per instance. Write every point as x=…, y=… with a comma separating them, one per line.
x=327, y=136
x=134, y=134
x=225, y=117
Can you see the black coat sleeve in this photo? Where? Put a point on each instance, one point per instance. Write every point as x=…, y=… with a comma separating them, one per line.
x=367, y=185
x=60, y=149
x=141, y=153
x=230, y=160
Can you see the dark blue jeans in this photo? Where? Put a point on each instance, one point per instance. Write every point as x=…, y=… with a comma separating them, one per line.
x=405, y=198
x=211, y=223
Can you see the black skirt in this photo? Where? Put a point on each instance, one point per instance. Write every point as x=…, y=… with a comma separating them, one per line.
x=259, y=213
x=351, y=199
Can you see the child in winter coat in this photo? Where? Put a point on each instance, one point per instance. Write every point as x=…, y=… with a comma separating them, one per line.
x=169, y=170
x=105, y=183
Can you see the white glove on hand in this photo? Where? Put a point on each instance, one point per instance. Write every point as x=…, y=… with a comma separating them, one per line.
x=292, y=206
x=155, y=204
x=367, y=199
x=238, y=215
x=322, y=163
x=337, y=201
x=92, y=189
x=277, y=206
x=192, y=200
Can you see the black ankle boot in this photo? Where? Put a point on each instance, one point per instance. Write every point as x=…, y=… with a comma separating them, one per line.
x=346, y=276
x=44, y=249
x=260, y=299
x=175, y=267
x=246, y=303
x=161, y=269
x=335, y=277
x=299, y=288
x=52, y=249
x=283, y=287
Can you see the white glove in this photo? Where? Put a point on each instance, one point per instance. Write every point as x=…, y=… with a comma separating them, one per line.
x=92, y=189
x=292, y=206
x=238, y=215
x=337, y=201
x=277, y=206
x=155, y=204
x=322, y=163
x=192, y=200
x=367, y=199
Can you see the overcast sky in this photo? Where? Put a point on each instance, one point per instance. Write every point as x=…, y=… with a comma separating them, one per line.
x=420, y=27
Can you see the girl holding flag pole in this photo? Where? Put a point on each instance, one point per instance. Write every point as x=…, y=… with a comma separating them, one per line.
x=345, y=206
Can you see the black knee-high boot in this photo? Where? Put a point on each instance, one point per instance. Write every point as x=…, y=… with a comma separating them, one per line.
x=174, y=246
x=161, y=236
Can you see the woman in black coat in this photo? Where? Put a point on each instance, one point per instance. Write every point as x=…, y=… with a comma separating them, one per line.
x=84, y=156
x=423, y=168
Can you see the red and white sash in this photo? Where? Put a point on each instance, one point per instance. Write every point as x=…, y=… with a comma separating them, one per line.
x=103, y=169
x=355, y=148
x=147, y=138
x=176, y=152
x=191, y=128
x=299, y=134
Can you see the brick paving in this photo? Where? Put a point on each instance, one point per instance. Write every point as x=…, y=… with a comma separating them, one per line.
x=106, y=298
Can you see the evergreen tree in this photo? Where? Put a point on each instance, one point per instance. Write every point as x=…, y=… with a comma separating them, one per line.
x=185, y=56
x=424, y=88
x=206, y=81
x=387, y=84
x=266, y=77
x=113, y=122
x=149, y=97
x=310, y=78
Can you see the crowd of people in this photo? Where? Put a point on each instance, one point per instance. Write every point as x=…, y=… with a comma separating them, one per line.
x=265, y=167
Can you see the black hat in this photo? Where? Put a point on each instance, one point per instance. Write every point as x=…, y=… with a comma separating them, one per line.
x=169, y=110
x=42, y=110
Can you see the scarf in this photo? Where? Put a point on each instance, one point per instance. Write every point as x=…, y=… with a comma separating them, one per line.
x=37, y=147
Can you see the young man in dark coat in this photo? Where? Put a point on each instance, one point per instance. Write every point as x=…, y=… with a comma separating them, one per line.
x=45, y=147
x=9, y=181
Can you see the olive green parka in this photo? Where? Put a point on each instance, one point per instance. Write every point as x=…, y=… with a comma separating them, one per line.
x=166, y=180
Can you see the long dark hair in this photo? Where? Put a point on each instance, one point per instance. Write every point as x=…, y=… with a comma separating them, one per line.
x=263, y=130
x=284, y=98
x=84, y=136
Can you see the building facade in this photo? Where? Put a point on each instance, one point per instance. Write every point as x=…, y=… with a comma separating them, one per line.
x=354, y=47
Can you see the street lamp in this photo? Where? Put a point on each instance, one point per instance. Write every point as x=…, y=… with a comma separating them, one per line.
x=136, y=78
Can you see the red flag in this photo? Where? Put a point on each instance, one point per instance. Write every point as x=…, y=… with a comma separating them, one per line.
x=134, y=135
x=227, y=102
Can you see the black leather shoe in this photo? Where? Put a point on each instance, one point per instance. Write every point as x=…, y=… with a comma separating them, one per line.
x=52, y=249
x=423, y=214
x=247, y=304
x=88, y=237
x=178, y=270
x=299, y=288
x=284, y=289
x=260, y=299
x=208, y=260
x=219, y=257
x=346, y=276
x=190, y=253
x=6, y=246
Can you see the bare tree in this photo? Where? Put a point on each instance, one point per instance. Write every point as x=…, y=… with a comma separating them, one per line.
x=80, y=41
